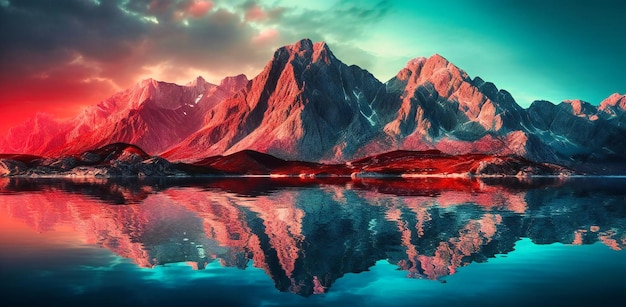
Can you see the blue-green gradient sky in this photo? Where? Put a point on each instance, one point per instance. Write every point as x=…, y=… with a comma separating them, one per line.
x=58, y=56
x=536, y=49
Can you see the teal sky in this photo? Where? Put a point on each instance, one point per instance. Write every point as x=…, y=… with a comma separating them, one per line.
x=57, y=57
x=553, y=50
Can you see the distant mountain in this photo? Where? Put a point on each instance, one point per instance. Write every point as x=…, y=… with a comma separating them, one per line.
x=153, y=115
x=304, y=105
x=432, y=104
x=307, y=105
x=581, y=132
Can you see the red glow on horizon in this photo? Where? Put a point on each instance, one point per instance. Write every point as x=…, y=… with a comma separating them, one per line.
x=59, y=97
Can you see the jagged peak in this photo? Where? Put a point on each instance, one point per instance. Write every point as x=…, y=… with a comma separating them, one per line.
x=438, y=58
x=305, y=48
x=322, y=52
x=233, y=79
x=617, y=96
x=149, y=81
x=478, y=81
x=580, y=107
x=199, y=80
x=152, y=84
x=412, y=64
x=505, y=96
x=615, y=100
x=542, y=102
x=437, y=62
x=307, y=44
x=492, y=91
x=576, y=102
x=303, y=44
x=489, y=87
x=234, y=83
x=320, y=45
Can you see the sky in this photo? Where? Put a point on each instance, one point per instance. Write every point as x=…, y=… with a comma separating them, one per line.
x=58, y=57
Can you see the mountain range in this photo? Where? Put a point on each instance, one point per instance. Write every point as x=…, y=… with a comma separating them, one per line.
x=307, y=105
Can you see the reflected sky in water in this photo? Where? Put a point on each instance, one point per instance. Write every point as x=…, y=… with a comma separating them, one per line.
x=260, y=242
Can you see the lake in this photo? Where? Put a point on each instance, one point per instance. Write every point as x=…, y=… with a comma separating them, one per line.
x=304, y=242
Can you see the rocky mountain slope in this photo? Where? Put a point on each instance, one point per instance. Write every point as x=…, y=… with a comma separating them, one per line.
x=583, y=132
x=153, y=115
x=307, y=105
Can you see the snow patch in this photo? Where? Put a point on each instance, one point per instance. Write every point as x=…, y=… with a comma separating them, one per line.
x=369, y=118
x=198, y=98
x=201, y=251
x=371, y=226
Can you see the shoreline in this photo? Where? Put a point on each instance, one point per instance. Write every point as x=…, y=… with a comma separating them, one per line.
x=314, y=176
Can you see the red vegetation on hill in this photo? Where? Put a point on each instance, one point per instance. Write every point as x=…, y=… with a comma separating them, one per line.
x=395, y=163
x=125, y=160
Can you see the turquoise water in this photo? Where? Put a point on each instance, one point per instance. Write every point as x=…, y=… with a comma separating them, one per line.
x=317, y=244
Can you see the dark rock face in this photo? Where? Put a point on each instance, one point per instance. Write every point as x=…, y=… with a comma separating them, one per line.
x=307, y=105
x=580, y=132
x=432, y=104
x=114, y=160
x=301, y=106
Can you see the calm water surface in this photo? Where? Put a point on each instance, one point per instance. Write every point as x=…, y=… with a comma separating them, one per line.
x=261, y=242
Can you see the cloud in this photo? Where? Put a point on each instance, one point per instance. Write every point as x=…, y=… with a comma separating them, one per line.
x=199, y=8
x=344, y=21
x=266, y=36
x=345, y=26
x=59, y=55
x=253, y=12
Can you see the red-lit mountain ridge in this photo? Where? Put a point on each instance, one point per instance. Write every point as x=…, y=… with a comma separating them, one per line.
x=153, y=115
x=307, y=105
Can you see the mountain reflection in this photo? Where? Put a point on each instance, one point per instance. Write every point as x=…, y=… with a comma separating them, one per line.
x=307, y=234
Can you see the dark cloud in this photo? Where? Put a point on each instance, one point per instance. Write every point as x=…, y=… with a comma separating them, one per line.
x=52, y=52
x=81, y=26
x=122, y=38
x=59, y=55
